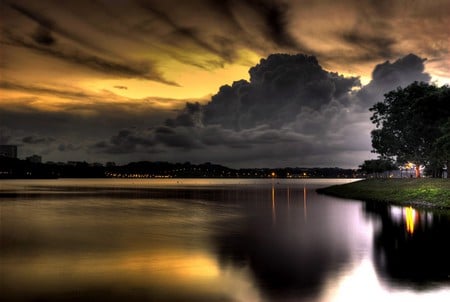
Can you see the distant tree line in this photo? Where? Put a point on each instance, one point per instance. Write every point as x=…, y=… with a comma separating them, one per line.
x=16, y=168
x=413, y=126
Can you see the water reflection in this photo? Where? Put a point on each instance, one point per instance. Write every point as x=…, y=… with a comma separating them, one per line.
x=274, y=211
x=414, y=250
x=234, y=242
x=289, y=260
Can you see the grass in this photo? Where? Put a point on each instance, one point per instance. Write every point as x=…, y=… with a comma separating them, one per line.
x=423, y=192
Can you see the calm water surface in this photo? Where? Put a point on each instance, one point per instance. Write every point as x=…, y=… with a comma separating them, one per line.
x=214, y=240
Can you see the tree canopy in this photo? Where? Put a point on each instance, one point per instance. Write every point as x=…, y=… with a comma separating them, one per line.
x=376, y=166
x=411, y=125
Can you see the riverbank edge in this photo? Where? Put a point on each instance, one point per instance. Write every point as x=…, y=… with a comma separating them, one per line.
x=420, y=193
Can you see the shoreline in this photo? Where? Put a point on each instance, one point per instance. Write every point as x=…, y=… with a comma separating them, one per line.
x=425, y=193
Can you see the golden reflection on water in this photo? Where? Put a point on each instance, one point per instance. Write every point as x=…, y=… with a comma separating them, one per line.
x=410, y=218
x=172, y=272
x=174, y=265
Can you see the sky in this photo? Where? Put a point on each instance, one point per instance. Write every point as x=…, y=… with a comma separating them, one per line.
x=249, y=83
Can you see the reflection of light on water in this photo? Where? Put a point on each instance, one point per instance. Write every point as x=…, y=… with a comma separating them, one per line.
x=171, y=273
x=360, y=283
x=189, y=266
x=410, y=217
x=396, y=213
x=304, y=203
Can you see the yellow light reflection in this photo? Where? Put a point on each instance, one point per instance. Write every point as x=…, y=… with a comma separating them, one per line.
x=410, y=217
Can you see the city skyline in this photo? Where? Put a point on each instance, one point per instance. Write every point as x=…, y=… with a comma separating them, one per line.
x=144, y=80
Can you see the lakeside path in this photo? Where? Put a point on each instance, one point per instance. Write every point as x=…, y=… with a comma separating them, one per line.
x=422, y=192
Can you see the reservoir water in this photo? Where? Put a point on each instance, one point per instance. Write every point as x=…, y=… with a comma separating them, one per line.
x=214, y=240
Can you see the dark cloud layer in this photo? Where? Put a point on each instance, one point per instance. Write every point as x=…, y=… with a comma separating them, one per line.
x=388, y=76
x=37, y=140
x=291, y=110
x=280, y=87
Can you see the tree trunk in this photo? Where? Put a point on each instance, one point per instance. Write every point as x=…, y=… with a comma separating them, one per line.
x=417, y=171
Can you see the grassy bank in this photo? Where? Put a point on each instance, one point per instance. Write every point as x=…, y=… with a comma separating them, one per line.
x=424, y=192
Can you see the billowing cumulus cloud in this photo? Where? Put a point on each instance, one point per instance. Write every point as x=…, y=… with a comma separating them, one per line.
x=280, y=87
x=388, y=76
x=292, y=111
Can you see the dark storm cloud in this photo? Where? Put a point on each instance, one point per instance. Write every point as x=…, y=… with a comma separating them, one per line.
x=181, y=138
x=403, y=71
x=290, y=110
x=37, y=140
x=190, y=116
x=82, y=118
x=388, y=76
x=280, y=87
x=68, y=147
x=81, y=123
x=126, y=141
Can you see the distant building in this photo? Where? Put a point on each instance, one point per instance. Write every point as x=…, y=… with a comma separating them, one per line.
x=34, y=159
x=8, y=151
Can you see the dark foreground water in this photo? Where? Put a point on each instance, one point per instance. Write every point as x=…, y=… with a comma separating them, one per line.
x=214, y=240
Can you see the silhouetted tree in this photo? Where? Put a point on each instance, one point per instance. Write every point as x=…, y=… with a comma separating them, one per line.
x=409, y=122
x=377, y=166
x=442, y=148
